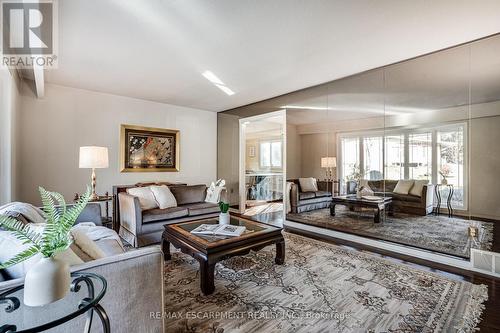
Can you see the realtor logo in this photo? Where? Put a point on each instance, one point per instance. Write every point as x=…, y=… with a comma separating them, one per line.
x=28, y=33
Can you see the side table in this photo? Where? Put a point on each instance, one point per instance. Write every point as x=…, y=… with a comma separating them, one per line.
x=11, y=301
x=107, y=220
x=437, y=189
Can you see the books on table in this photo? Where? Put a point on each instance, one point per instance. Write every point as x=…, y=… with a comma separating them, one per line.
x=219, y=230
x=372, y=197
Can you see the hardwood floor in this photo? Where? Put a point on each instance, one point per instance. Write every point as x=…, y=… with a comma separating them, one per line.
x=491, y=315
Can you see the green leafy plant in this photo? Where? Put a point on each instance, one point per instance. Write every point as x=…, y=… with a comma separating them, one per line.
x=224, y=206
x=56, y=233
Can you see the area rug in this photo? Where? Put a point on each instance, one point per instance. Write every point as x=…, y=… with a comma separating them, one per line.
x=320, y=288
x=435, y=233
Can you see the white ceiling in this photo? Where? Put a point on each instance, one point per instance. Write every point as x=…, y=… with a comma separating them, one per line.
x=157, y=50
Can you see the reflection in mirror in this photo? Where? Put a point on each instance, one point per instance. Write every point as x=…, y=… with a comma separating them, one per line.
x=405, y=154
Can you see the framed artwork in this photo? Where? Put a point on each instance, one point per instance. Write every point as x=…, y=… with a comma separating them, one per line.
x=148, y=149
x=251, y=151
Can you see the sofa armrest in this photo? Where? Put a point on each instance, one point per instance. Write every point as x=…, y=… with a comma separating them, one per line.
x=294, y=197
x=130, y=217
x=428, y=195
x=134, y=291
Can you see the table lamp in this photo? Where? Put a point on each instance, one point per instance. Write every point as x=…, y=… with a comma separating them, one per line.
x=329, y=163
x=93, y=158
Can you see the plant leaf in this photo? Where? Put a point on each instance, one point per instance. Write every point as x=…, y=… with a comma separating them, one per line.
x=20, y=257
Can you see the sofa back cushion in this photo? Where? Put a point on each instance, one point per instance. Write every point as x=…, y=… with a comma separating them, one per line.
x=145, y=195
x=403, y=186
x=418, y=187
x=189, y=194
x=308, y=184
x=163, y=196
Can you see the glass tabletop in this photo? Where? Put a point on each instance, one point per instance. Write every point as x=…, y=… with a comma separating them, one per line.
x=86, y=291
x=250, y=228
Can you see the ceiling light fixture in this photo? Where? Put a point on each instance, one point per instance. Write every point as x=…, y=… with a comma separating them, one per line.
x=212, y=77
x=225, y=89
x=217, y=82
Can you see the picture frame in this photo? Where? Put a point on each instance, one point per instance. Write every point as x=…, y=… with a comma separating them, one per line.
x=149, y=149
x=251, y=151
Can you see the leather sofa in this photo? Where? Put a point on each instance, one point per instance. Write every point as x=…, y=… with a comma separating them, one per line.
x=143, y=227
x=306, y=201
x=404, y=203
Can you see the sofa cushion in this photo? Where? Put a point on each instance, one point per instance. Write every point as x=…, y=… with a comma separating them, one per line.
x=189, y=194
x=157, y=214
x=403, y=186
x=202, y=208
x=163, y=196
x=405, y=198
x=145, y=195
x=308, y=184
x=110, y=247
x=418, y=187
x=321, y=194
x=306, y=195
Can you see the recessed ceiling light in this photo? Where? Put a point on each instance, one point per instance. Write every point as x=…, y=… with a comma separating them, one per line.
x=225, y=89
x=212, y=77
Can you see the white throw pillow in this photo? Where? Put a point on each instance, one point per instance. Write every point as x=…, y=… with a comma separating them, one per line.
x=145, y=195
x=163, y=196
x=403, y=186
x=418, y=187
x=308, y=184
x=85, y=247
x=11, y=246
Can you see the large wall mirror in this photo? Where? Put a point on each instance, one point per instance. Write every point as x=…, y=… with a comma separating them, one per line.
x=407, y=154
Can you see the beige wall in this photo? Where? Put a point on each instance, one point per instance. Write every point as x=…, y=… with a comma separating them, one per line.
x=313, y=148
x=252, y=162
x=293, y=153
x=55, y=127
x=228, y=137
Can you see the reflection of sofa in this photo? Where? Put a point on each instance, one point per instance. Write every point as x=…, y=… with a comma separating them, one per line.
x=405, y=203
x=306, y=201
x=127, y=306
x=142, y=227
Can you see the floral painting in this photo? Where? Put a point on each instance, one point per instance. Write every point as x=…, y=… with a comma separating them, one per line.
x=149, y=149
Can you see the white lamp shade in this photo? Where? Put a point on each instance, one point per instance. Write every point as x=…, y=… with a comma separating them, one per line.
x=328, y=162
x=93, y=157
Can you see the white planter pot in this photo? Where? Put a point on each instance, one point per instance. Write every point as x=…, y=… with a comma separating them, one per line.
x=224, y=218
x=46, y=282
x=358, y=194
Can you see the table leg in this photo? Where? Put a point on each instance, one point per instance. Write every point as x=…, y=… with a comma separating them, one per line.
x=106, y=327
x=438, y=196
x=280, y=253
x=332, y=209
x=391, y=210
x=448, y=202
x=165, y=247
x=377, y=216
x=207, y=275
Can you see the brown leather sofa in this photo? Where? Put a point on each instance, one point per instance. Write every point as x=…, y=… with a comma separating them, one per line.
x=143, y=227
x=404, y=203
x=306, y=201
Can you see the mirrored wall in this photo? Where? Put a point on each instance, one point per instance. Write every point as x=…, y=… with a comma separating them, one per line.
x=407, y=154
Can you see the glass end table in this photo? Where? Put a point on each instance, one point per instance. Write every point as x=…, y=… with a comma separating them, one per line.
x=37, y=319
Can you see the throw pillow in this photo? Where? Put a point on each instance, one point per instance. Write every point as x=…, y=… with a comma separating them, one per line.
x=145, y=195
x=11, y=246
x=418, y=187
x=85, y=248
x=403, y=186
x=308, y=184
x=163, y=196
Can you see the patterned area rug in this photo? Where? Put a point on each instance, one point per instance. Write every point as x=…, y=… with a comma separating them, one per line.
x=321, y=288
x=435, y=233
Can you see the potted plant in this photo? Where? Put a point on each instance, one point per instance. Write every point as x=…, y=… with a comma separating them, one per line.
x=224, y=217
x=49, y=279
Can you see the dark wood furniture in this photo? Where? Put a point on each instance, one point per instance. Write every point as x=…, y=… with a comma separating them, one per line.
x=209, y=250
x=380, y=206
x=332, y=186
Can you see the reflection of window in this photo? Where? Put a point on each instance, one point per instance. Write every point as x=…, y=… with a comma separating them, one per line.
x=270, y=154
x=422, y=153
x=373, y=151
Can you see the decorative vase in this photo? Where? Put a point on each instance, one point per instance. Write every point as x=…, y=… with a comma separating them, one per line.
x=224, y=218
x=358, y=194
x=46, y=282
x=444, y=181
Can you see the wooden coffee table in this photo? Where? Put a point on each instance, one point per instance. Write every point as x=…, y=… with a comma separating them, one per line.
x=380, y=206
x=209, y=250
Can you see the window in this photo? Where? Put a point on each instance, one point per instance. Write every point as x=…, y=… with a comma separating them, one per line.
x=419, y=153
x=270, y=154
